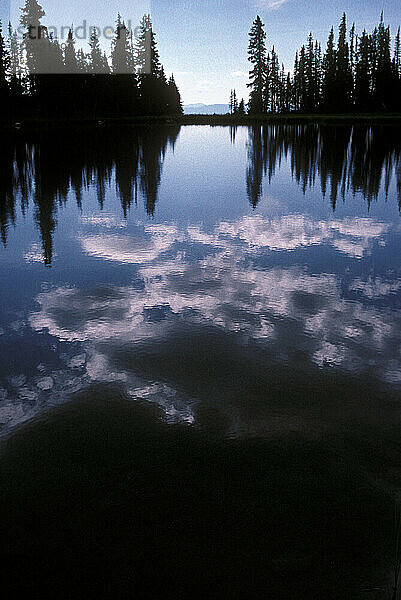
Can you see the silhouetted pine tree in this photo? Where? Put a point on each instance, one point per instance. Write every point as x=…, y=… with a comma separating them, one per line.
x=35, y=37
x=43, y=58
x=282, y=90
x=241, y=107
x=397, y=71
x=4, y=64
x=121, y=59
x=382, y=68
x=142, y=53
x=397, y=54
x=362, y=90
x=310, y=91
x=70, y=57
x=343, y=77
x=318, y=75
x=257, y=57
x=267, y=87
x=329, y=74
x=233, y=103
x=301, y=83
x=153, y=88
x=174, y=102
x=274, y=83
x=124, y=79
x=174, y=98
x=16, y=64
x=305, y=89
x=96, y=57
x=352, y=58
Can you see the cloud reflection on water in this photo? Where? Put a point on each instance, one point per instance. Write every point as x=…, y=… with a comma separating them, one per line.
x=296, y=318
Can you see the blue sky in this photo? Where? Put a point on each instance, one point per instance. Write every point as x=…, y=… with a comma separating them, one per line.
x=205, y=42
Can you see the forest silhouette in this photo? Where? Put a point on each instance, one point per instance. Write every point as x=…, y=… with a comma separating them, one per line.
x=39, y=78
x=356, y=73
x=43, y=169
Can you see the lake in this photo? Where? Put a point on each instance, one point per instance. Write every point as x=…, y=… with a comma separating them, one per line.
x=200, y=375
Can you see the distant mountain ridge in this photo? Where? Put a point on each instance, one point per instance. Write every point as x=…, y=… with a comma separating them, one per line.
x=206, y=109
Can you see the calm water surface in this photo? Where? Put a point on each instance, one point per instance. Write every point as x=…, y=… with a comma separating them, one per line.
x=202, y=323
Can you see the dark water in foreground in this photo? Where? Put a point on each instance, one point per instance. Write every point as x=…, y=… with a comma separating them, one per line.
x=200, y=365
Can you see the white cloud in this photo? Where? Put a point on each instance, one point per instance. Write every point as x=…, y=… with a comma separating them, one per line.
x=128, y=249
x=274, y=4
x=286, y=311
x=224, y=289
x=107, y=220
x=353, y=237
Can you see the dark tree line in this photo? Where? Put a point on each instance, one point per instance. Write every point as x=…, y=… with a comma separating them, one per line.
x=235, y=107
x=40, y=168
x=40, y=77
x=354, y=73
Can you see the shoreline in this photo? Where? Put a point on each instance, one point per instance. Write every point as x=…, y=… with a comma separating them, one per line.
x=214, y=120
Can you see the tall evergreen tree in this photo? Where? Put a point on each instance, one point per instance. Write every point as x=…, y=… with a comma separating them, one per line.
x=317, y=75
x=288, y=97
x=362, y=92
x=397, y=54
x=4, y=64
x=123, y=69
x=154, y=91
x=301, y=82
x=329, y=73
x=343, y=77
x=156, y=68
x=147, y=53
x=174, y=98
x=397, y=71
x=97, y=63
x=257, y=57
x=121, y=49
x=16, y=64
x=70, y=57
x=382, y=69
x=352, y=58
x=142, y=48
x=34, y=36
x=233, y=104
x=310, y=91
x=241, y=107
x=274, y=82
